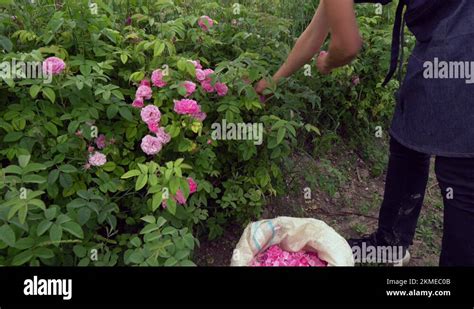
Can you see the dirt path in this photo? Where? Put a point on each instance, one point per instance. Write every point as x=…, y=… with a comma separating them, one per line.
x=345, y=195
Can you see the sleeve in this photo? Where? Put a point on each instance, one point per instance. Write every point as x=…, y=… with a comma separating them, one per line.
x=384, y=2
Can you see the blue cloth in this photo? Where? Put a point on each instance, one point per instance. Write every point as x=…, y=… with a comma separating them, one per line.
x=435, y=115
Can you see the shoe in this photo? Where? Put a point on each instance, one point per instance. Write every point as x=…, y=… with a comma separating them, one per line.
x=375, y=249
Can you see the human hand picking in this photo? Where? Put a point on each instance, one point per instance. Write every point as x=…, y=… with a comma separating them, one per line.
x=321, y=63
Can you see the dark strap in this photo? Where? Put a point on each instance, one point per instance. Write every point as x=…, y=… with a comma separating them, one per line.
x=397, y=43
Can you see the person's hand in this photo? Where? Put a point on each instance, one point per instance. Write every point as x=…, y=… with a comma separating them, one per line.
x=322, y=64
x=261, y=86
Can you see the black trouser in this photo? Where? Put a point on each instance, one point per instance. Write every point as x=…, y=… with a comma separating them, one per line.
x=405, y=187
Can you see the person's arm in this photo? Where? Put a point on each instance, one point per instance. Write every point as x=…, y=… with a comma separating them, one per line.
x=335, y=16
x=307, y=45
x=346, y=41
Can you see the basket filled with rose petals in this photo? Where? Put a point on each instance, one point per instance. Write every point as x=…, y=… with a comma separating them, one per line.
x=290, y=242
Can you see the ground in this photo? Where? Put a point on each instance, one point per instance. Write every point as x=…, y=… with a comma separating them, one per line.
x=346, y=193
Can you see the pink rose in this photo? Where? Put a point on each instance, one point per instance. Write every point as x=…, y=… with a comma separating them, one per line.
x=186, y=107
x=150, y=114
x=157, y=78
x=192, y=185
x=53, y=65
x=164, y=137
x=97, y=159
x=207, y=86
x=153, y=127
x=144, y=92
x=100, y=141
x=201, y=116
x=221, y=89
x=138, y=102
x=201, y=75
x=190, y=88
x=206, y=23
x=180, y=197
x=197, y=64
x=151, y=145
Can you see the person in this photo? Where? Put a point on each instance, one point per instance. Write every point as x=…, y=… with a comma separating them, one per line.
x=434, y=114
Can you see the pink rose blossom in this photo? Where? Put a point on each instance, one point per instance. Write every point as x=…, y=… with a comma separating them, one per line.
x=221, y=89
x=190, y=88
x=186, y=107
x=207, y=86
x=53, y=65
x=199, y=116
x=355, y=80
x=145, y=82
x=150, y=114
x=197, y=64
x=90, y=149
x=201, y=75
x=157, y=78
x=192, y=185
x=151, y=145
x=153, y=127
x=144, y=92
x=97, y=159
x=180, y=197
x=205, y=22
x=164, y=137
x=275, y=256
x=100, y=141
x=138, y=102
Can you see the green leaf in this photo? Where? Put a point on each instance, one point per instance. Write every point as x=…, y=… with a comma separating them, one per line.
x=23, y=160
x=13, y=169
x=130, y=174
x=43, y=226
x=189, y=241
x=80, y=251
x=53, y=176
x=4, y=41
x=49, y=93
x=7, y=235
x=281, y=135
x=51, y=128
x=156, y=201
x=34, y=90
x=33, y=179
x=44, y=253
x=74, y=229
x=141, y=182
x=65, y=180
x=125, y=113
x=55, y=233
x=149, y=219
x=22, y=258
x=158, y=48
x=171, y=261
x=112, y=110
x=68, y=168
x=171, y=206
x=12, y=137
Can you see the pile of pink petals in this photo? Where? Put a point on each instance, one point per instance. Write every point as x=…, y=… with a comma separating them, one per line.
x=275, y=256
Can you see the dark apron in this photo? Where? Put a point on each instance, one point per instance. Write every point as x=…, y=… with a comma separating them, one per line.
x=434, y=115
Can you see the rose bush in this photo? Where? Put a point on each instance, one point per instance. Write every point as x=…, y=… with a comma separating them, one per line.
x=113, y=162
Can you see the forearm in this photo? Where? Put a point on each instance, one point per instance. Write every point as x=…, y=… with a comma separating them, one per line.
x=307, y=45
x=346, y=40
